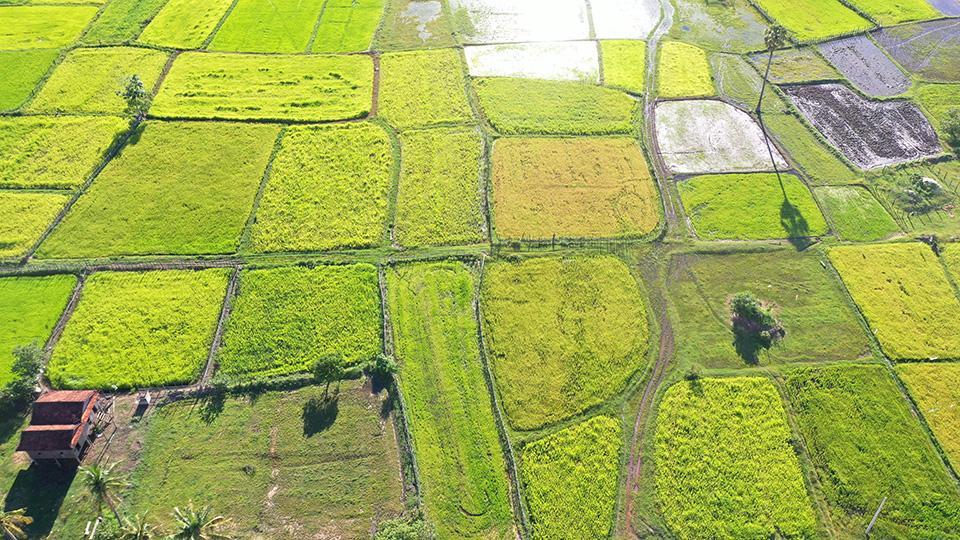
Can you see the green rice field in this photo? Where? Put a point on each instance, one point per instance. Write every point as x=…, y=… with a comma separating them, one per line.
x=20, y=72
x=29, y=309
x=423, y=88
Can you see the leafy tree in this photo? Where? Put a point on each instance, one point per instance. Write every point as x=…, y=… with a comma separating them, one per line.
x=102, y=484
x=774, y=38
x=137, y=528
x=202, y=524
x=951, y=126
x=28, y=361
x=747, y=308
x=13, y=523
x=383, y=366
x=328, y=368
x=137, y=98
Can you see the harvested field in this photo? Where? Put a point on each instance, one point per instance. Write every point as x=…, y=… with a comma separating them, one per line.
x=347, y=25
x=42, y=27
x=819, y=321
x=441, y=194
x=683, y=71
x=703, y=136
x=527, y=106
x=814, y=20
x=121, y=21
x=289, y=87
x=410, y=24
x=624, y=64
x=90, y=80
x=889, y=13
x=560, y=503
x=724, y=465
x=282, y=465
x=948, y=7
x=138, y=330
x=184, y=24
x=624, y=19
x=328, y=189
x=462, y=470
x=930, y=50
x=572, y=188
x=24, y=217
x=865, y=445
x=284, y=319
x=579, y=323
x=856, y=215
x=268, y=26
x=423, y=88
x=559, y=61
x=732, y=25
x=751, y=207
x=871, y=134
x=906, y=298
x=796, y=66
x=183, y=188
x=936, y=390
x=507, y=21
x=866, y=66
x=20, y=71
x=29, y=309
x=42, y=152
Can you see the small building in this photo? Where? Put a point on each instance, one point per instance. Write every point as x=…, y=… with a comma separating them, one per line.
x=61, y=425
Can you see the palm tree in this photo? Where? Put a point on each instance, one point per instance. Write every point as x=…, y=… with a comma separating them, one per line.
x=193, y=524
x=774, y=38
x=137, y=529
x=13, y=522
x=102, y=485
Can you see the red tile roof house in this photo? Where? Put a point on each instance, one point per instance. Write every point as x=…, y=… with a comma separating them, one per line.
x=60, y=426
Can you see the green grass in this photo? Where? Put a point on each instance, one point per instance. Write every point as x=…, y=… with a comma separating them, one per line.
x=347, y=25
x=624, y=64
x=855, y=213
x=724, y=464
x=402, y=29
x=891, y=12
x=936, y=390
x=797, y=66
x=938, y=100
x=284, y=319
x=819, y=322
x=517, y=106
x=423, y=88
x=751, y=206
x=268, y=26
x=135, y=330
x=20, y=72
x=866, y=445
x=683, y=71
x=814, y=20
x=440, y=198
x=121, y=21
x=904, y=294
x=462, y=471
x=89, y=80
x=183, y=188
x=328, y=189
x=578, y=323
x=25, y=216
x=29, y=309
x=184, y=24
x=47, y=152
x=288, y=87
x=570, y=480
x=42, y=27
x=895, y=186
x=278, y=465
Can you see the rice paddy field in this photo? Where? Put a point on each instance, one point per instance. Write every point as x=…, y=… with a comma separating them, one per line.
x=485, y=269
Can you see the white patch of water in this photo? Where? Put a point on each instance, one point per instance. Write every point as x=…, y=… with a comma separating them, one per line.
x=560, y=61
x=423, y=13
x=624, y=19
x=512, y=21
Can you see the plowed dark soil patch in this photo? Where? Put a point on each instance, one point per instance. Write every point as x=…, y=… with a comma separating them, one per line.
x=870, y=133
x=930, y=50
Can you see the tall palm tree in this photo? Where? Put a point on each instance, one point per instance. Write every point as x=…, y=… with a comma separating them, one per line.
x=193, y=524
x=137, y=528
x=774, y=38
x=102, y=485
x=13, y=522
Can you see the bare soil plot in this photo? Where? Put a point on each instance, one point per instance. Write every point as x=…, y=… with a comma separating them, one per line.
x=572, y=188
x=869, y=133
x=562, y=61
x=930, y=50
x=624, y=19
x=796, y=66
x=948, y=7
x=703, y=136
x=865, y=65
x=732, y=25
x=508, y=21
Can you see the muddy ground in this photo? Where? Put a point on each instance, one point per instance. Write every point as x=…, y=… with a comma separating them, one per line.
x=930, y=50
x=865, y=65
x=870, y=133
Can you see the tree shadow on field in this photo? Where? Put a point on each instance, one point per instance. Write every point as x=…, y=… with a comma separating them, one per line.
x=212, y=405
x=748, y=347
x=319, y=413
x=41, y=489
x=796, y=226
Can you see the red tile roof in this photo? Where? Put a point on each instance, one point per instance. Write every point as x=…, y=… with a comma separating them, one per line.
x=58, y=421
x=66, y=396
x=47, y=438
